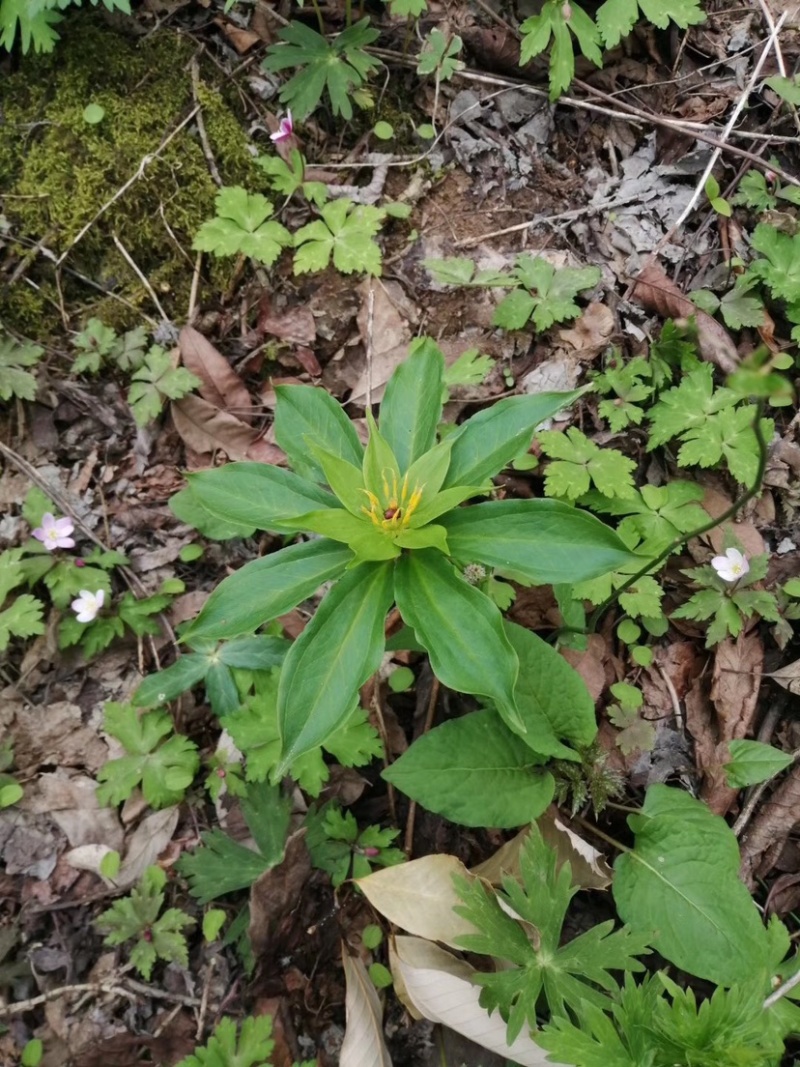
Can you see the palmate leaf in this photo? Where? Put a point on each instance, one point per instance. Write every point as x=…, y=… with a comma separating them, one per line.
x=557, y=19
x=34, y=29
x=14, y=380
x=339, y=66
x=566, y=976
x=616, y=18
x=22, y=618
x=252, y=1049
x=241, y=227
x=578, y=462
x=344, y=232
x=154, y=382
x=780, y=268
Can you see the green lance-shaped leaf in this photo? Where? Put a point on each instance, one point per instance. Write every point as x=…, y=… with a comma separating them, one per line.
x=332, y=658
x=257, y=494
x=268, y=587
x=260, y=653
x=380, y=464
x=680, y=886
x=304, y=413
x=475, y=772
x=412, y=405
x=188, y=509
x=461, y=629
x=540, y=541
x=488, y=441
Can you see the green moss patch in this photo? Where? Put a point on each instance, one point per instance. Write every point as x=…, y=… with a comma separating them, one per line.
x=58, y=171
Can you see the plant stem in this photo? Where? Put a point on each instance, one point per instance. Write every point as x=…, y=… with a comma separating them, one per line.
x=712, y=524
x=320, y=20
x=590, y=826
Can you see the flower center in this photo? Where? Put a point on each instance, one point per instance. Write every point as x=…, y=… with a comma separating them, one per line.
x=392, y=510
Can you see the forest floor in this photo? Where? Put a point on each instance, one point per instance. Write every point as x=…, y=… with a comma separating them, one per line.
x=97, y=221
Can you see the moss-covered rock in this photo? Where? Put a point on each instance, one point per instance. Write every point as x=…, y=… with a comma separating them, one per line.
x=58, y=171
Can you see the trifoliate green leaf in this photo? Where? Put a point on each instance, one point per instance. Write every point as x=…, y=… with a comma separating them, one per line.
x=22, y=618
x=253, y=1048
x=95, y=343
x=557, y=19
x=616, y=18
x=578, y=462
x=547, y=294
x=241, y=228
x=344, y=232
x=439, y=54
x=156, y=381
x=14, y=381
x=164, y=770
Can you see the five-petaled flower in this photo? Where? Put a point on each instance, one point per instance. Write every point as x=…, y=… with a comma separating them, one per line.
x=54, y=533
x=732, y=566
x=285, y=129
x=88, y=604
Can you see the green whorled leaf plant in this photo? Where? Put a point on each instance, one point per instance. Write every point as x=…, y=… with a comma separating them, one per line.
x=388, y=528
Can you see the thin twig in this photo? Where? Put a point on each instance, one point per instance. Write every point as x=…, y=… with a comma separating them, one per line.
x=408, y=842
x=712, y=162
x=131, y=990
x=201, y=126
x=781, y=991
x=135, y=268
x=673, y=695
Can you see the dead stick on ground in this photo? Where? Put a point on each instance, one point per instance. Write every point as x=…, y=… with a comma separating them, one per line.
x=135, y=990
x=201, y=126
x=132, y=264
x=408, y=843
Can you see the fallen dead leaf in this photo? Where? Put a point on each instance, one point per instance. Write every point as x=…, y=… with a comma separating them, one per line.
x=221, y=386
x=590, y=664
x=55, y=735
x=764, y=841
x=241, y=39
x=274, y=896
x=363, y=1044
x=591, y=333
x=656, y=292
x=146, y=844
x=205, y=429
x=389, y=330
x=296, y=324
x=419, y=897
x=440, y=987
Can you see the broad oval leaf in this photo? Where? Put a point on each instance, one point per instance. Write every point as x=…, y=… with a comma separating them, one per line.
x=552, y=698
x=545, y=542
x=257, y=494
x=412, y=404
x=488, y=441
x=305, y=413
x=332, y=658
x=753, y=762
x=189, y=510
x=475, y=772
x=680, y=886
x=461, y=629
x=265, y=588
x=419, y=897
x=260, y=653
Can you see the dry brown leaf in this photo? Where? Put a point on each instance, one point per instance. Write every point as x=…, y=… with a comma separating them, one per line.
x=656, y=292
x=274, y=895
x=419, y=897
x=591, y=332
x=55, y=735
x=788, y=676
x=221, y=386
x=146, y=844
x=736, y=683
x=296, y=325
x=204, y=428
x=776, y=819
x=389, y=330
x=716, y=503
x=589, y=867
x=241, y=39
x=590, y=664
x=363, y=1044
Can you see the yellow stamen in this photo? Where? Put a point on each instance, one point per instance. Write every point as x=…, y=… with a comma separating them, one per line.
x=392, y=512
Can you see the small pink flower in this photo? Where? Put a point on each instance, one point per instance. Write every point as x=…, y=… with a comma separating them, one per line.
x=55, y=533
x=80, y=562
x=285, y=130
x=732, y=566
x=88, y=604
x=770, y=176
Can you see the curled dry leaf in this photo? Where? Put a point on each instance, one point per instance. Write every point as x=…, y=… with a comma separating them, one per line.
x=274, y=896
x=146, y=844
x=221, y=386
x=419, y=897
x=656, y=292
x=770, y=829
x=204, y=429
x=363, y=1044
x=441, y=989
x=589, y=867
x=788, y=676
x=591, y=332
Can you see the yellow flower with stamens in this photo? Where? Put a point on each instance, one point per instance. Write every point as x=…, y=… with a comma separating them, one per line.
x=392, y=511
